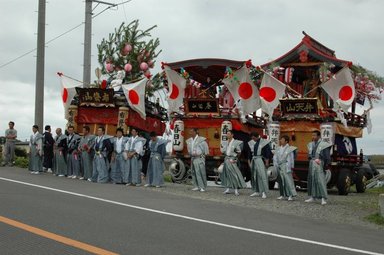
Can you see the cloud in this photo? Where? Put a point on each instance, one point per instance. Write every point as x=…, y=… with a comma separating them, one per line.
x=18, y=106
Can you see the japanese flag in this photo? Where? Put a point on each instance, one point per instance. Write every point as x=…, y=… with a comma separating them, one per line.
x=271, y=90
x=176, y=86
x=68, y=91
x=341, y=88
x=135, y=94
x=244, y=92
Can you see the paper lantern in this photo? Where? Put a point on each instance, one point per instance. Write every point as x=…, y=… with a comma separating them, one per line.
x=225, y=127
x=144, y=66
x=127, y=48
x=128, y=67
x=178, y=136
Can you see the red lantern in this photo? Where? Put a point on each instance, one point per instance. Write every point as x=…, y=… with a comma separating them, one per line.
x=104, y=84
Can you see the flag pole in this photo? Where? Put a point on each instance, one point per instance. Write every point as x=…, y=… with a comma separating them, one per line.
x=216, y=83
x=61, y=74
x=312, y=90
x=286, y=85
x=205, y=90
x=323, y=82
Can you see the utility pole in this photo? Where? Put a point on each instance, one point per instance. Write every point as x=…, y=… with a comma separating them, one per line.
x=39, y=86
x=87, y=43
x=88, y=40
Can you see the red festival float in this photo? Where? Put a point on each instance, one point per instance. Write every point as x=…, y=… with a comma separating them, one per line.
x=125, y=93
x=323, y=93
x=209, y=106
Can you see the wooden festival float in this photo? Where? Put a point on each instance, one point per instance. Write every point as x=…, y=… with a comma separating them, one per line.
x=307, y=107
x=208, y=106
x=125, y=93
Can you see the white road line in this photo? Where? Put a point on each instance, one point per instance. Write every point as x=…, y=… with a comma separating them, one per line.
x=200, y=220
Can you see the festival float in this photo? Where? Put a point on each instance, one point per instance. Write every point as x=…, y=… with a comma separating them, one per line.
x=125, y=93
x=330, y=95
x=214, y=96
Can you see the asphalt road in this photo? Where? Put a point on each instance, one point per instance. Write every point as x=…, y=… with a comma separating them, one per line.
x=138, y=220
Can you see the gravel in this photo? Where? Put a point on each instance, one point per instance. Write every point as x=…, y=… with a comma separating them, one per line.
x=351, y=209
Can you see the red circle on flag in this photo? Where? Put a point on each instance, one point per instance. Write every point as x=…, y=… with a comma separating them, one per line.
x=133, y=97
x=64, y=95
x=175, y=92
x=345, y=93
x=245, y=90
x=268, y=94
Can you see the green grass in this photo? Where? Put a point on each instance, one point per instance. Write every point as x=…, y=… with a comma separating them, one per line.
x=379, y=190
x=375, y=218
x=167, y=178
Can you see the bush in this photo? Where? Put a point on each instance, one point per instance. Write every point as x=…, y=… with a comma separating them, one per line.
x=19, y=152
x=21, y=162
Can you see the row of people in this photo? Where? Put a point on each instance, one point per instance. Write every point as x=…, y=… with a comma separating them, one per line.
x=99, y=158
x=92, y=157
x=258, y=160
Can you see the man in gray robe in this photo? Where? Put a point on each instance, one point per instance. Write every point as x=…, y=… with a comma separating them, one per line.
x=198, y=149
x=73, y=157
x=35, y=151
x=86, y=145
x=156, y=167
x=9, y=147
x=260, y=153
x=118, y=160
x=319, y=158
x=283, y=161
x=133, y=150
x=103, y=148
x=231, y=176
x=60, y=154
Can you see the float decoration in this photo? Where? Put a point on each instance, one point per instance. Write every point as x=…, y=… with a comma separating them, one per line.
x=129, y=52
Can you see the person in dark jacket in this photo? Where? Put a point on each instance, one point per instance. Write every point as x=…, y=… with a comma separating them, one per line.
x=48, y=143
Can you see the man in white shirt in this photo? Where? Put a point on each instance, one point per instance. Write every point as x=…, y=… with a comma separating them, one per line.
x=118, y=161
x=36, y=151
x=133, y=150
x=73, y=158
x=102, y=147
x=284, y=161
x=231, y=176
x=198, y=149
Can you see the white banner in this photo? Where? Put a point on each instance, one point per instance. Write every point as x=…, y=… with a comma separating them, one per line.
x=178, y=136
x=274, y=135
x=225, y=126
x=327, y=132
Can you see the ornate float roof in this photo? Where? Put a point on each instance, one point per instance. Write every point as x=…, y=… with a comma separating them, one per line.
x=308, y=52
x=202, y=68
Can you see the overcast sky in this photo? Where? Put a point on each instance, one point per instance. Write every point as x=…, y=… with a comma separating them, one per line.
x=239, y=30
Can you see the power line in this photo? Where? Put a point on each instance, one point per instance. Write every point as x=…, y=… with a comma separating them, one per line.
x=125, y=14
x=60, y=35
x=33, y=50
